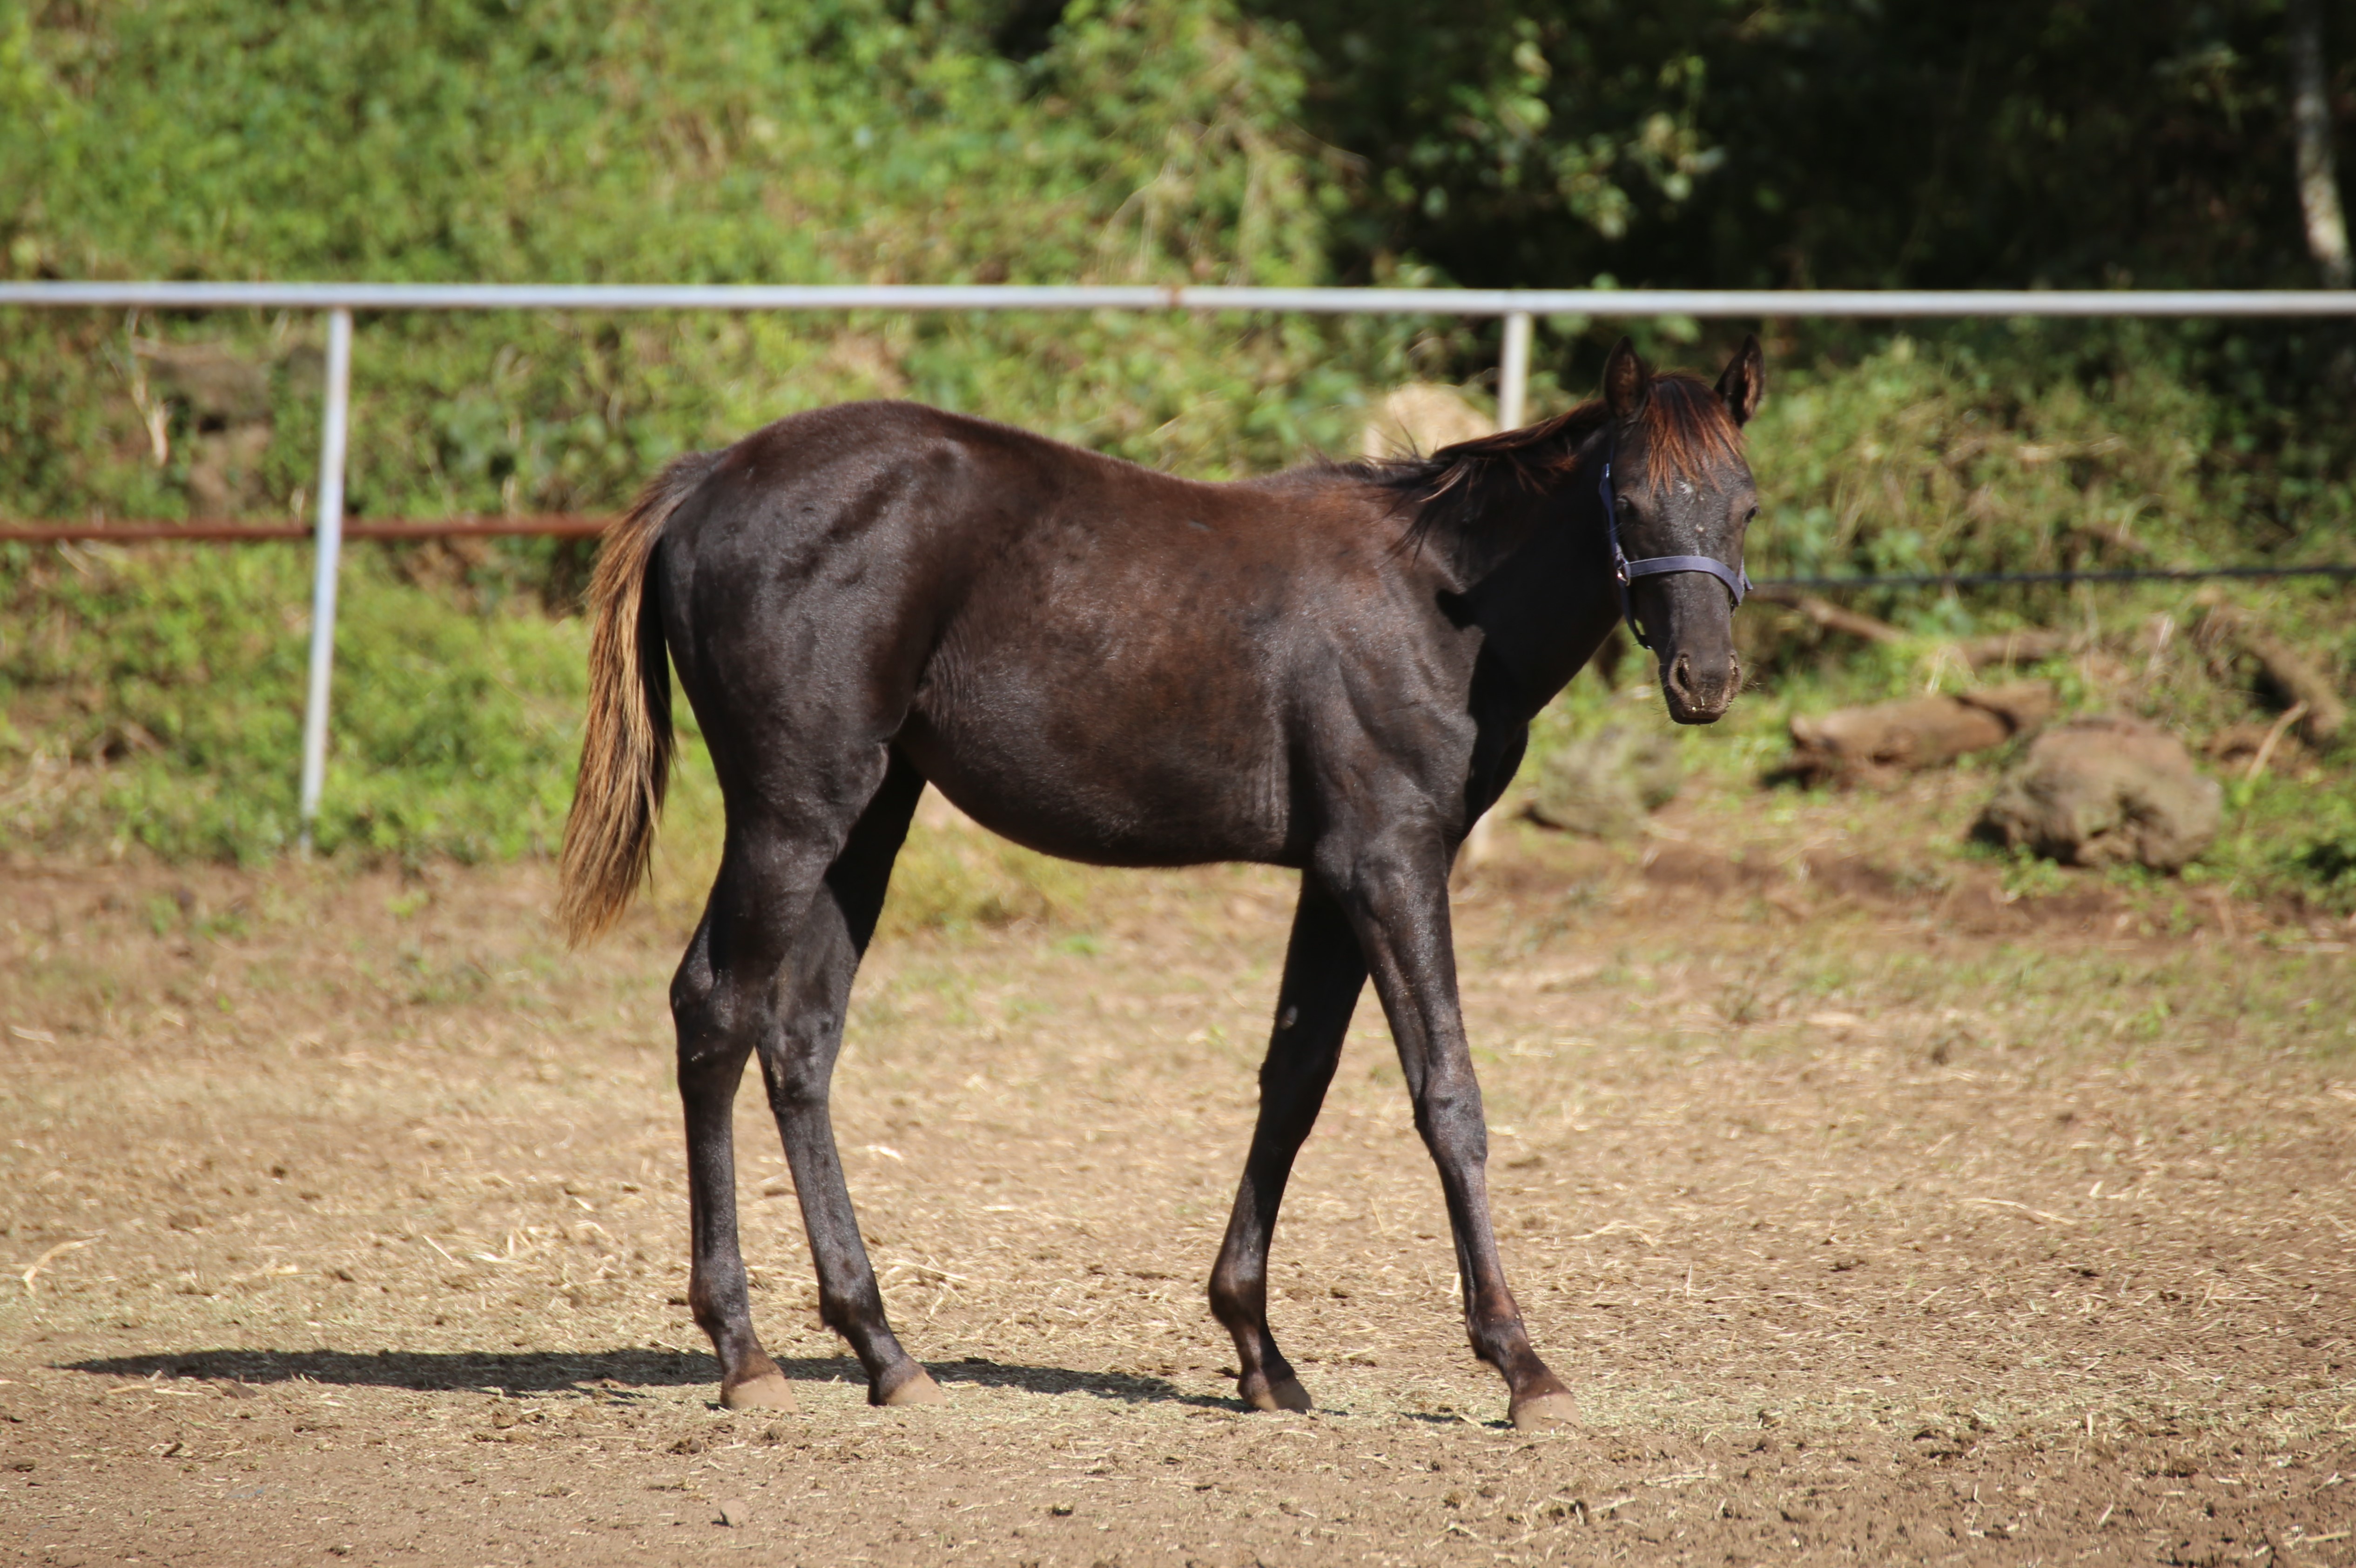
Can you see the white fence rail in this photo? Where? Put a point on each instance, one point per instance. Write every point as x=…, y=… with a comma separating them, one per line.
x=1611, y=303
x=1518, y=307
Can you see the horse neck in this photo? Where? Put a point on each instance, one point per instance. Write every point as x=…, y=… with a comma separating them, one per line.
x=1537, y=567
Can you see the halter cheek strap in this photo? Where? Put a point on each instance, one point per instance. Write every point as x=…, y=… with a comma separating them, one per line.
x=1624, y=571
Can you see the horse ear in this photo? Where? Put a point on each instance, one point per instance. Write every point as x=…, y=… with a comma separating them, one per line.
x=1744, y=380
x=1627, y=385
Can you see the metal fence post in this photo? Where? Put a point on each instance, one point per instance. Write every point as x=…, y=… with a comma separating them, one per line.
x=1514, y=372
x=332, y=439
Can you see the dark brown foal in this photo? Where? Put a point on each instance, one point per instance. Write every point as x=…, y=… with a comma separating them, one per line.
x=1333, y=669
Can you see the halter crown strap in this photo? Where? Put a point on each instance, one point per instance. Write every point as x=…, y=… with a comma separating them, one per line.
x=1624, y=571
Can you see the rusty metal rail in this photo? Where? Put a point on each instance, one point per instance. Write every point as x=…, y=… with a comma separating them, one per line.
x=232, y=531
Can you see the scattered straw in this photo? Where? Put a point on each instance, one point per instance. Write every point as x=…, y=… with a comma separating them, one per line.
x=43, y=1262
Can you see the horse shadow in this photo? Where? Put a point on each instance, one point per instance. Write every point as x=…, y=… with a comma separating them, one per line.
x=617, y=1374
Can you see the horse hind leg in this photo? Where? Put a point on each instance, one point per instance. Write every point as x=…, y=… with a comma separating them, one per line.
x=770, y=968
x=797, y=1066
x=1323, y=973
x=709, y=1005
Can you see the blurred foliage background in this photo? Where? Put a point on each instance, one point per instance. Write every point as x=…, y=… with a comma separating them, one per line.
x=152, y=695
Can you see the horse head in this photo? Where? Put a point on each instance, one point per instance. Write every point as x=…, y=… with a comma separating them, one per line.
x=1677, y=498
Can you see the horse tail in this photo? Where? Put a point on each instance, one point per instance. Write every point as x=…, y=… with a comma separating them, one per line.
x=625, y=750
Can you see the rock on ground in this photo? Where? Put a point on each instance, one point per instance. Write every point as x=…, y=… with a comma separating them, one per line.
x=2106, y=789
x=1605, y=784
x=1875, y=744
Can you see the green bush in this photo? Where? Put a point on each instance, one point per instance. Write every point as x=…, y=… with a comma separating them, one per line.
x=718, y=141
x=181, y=673
x=2024, y=452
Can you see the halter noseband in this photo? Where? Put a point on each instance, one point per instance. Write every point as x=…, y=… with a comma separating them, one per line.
x=1624, y=571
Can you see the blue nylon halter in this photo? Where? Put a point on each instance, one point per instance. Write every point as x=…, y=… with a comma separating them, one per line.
x=1624, y=571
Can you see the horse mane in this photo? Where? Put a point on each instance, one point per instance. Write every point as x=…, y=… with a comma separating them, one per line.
x=1685, y=423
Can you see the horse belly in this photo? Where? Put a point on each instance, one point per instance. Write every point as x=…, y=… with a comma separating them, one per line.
x=1146, y=747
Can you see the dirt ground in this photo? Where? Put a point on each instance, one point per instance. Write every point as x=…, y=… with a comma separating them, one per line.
x=1875, y=1213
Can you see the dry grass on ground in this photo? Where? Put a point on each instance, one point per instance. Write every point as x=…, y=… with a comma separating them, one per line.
x=1873, y=1214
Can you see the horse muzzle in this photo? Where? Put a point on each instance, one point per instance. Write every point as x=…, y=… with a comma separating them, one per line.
x=1700, y=689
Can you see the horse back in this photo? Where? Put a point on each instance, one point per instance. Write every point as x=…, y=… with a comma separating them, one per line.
x=1090, y=657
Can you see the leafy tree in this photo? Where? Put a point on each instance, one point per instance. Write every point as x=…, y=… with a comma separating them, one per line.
x=1837, y=143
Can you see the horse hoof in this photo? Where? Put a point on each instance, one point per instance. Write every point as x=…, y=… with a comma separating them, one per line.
x=917, y=1388
x=1546, y=1410
x=770, y=1391
x=1279, y=1393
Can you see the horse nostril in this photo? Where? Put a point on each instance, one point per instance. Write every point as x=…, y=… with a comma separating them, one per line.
x=1681, y=675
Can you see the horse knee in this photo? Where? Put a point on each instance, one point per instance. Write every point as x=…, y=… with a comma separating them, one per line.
x=1454, y=1128
x=695, y=990
x=799, y=1069
x=710, y=1017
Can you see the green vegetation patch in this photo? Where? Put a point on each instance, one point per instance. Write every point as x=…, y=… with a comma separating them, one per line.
x=162, y=691
x=153, y=697
x=836, y=141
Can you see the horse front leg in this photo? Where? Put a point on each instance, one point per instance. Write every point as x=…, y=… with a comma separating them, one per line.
x=1324, y=972
x=1396, y=898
